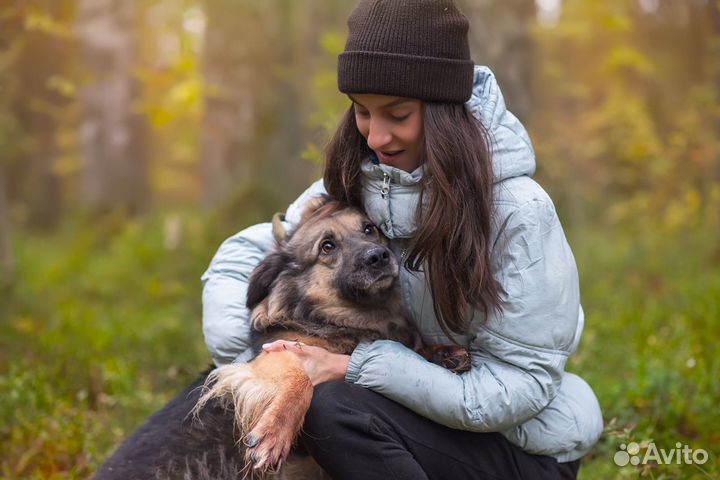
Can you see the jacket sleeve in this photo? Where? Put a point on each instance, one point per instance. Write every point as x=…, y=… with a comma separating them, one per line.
x=518, y=355
x=225, y=316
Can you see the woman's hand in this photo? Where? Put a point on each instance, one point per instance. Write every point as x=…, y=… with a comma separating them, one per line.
x=319, y=364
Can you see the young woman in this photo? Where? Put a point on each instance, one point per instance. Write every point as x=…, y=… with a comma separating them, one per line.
x=428, y=149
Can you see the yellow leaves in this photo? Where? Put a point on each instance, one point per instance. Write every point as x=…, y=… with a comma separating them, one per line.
x=617, y=23
x=173, y=101
x=332, y=43
x=172, y=96
x=622, y=59
x=66, y=165
x=628, y=136
x=186, y=96
x=652, y=210
x=312, y=154
x=25, y=325
x=683, y=212
x=183, y=99
x=62, y=85
x=712, y=212
x=634, y=208
x=163, y=289
x=39, y=21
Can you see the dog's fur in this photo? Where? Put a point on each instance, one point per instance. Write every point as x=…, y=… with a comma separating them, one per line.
x=332, y=283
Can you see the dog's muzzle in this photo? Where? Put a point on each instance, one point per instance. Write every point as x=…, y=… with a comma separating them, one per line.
x=377, y=258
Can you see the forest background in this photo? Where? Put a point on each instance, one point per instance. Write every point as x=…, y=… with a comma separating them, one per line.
x=136, y=135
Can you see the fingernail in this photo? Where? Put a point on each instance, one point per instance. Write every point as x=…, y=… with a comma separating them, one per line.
x=265, y=346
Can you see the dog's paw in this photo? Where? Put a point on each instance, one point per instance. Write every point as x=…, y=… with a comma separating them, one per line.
x=452, y=357
x=266, y=449
x=457, y=360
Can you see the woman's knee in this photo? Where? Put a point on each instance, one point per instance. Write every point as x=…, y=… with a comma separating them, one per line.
x=331, y=403
x=329, y=397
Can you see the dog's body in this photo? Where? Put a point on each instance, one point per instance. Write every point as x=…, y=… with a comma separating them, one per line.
x=332, y=284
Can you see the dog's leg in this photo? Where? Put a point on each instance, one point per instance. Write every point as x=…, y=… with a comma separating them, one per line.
x=237, y=387
x=270, y=396
x=270, y=440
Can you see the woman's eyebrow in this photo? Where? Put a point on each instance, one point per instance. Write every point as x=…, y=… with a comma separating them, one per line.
x=393, y=103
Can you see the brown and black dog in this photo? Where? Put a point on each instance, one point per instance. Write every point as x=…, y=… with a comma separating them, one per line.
x=332, y=283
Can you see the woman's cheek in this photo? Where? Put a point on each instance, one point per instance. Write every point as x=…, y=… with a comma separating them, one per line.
x=362, y=125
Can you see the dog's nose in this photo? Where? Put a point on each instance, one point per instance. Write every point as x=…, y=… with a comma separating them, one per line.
x=377, y=257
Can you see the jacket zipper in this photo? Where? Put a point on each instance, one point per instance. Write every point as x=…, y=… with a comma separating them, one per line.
x=385, y=189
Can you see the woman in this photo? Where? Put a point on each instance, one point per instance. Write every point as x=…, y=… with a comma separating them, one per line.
x=443, y=169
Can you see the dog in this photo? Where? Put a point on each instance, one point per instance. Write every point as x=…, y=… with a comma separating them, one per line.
x=331, y=283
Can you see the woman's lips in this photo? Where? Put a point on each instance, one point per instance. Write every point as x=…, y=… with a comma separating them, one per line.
x=388, y=157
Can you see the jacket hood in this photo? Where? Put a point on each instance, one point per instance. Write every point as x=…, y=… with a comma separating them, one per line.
x=512, y=151
x=512, y=156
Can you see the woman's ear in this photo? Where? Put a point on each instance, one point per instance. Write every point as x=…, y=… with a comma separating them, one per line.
x=264, y=276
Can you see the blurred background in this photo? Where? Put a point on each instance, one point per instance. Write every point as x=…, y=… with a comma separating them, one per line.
x=136, y=135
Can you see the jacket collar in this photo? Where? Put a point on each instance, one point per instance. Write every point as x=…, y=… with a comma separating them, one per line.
x=391, y=197
x=373, y=169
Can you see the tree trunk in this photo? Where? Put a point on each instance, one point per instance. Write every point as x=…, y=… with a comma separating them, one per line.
x=291, y=104
x=232, y=104
x=7, y=262
x=35, y=110
x=714, y=8
x=500, y=38
x=113, y=134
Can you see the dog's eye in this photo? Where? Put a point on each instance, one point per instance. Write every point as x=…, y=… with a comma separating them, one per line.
x=369, y=229
x=327, y=246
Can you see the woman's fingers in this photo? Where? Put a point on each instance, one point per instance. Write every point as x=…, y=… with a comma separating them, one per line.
x=284, y=345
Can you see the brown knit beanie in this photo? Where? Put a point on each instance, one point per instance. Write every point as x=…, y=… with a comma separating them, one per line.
x=407, y=48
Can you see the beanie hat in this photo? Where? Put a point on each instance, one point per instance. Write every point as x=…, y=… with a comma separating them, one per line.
x=407, y=48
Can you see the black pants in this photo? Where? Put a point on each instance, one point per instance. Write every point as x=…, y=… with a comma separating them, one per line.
x=355, y=433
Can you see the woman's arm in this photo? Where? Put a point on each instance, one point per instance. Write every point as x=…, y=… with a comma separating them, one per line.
x=225, y=316
x=518, y=356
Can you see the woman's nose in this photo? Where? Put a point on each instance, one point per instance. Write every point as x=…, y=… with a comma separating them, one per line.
x=378, y=136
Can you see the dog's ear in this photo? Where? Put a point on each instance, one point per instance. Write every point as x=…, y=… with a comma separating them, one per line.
x=278, y=229
x=263, y=277
x=313, y=205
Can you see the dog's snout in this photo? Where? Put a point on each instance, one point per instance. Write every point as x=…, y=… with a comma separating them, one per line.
x=377, y=257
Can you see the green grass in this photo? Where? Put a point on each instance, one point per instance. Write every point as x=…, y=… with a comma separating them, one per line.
x=650, y=346
x=102, y=326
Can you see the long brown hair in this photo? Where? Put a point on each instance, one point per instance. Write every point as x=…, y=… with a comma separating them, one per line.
x=452, y=240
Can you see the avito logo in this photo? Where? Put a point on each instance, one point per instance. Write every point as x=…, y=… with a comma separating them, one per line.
x=681, y=454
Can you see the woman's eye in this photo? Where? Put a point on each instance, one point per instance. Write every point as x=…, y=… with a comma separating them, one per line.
x=327, y=246
x=400, y=118
x=369, y=229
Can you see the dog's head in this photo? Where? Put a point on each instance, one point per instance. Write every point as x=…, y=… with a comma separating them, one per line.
x=336, y=256
x=337, y=248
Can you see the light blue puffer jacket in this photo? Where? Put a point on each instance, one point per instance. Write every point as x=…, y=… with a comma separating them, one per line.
x=517, y=385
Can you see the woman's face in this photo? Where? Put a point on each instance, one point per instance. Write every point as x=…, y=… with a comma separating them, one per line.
x=393, y=128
